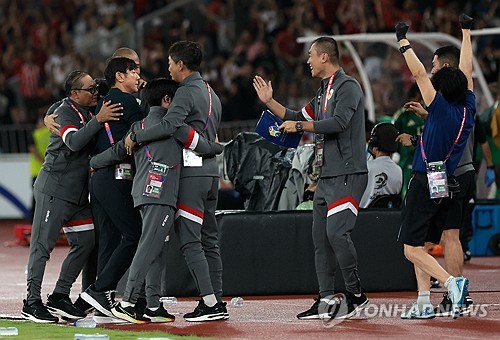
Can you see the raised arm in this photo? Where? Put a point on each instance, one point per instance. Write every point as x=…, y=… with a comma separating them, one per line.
x=416, y=67
x=465, y=64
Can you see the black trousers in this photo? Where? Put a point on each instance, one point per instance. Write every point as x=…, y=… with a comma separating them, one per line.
x=119, y=225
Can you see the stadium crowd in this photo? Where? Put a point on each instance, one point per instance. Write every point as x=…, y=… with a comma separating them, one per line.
x=41, y=41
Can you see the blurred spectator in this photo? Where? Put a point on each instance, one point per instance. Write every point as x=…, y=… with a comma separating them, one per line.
x=249, y=36
x=407, y=121
x=37, y=145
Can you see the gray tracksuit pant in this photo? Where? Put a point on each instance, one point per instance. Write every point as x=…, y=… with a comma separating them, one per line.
x=50, y=215
x=336, y=206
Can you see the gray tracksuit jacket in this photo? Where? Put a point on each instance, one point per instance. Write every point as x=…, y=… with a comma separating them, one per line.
x=65, y=170
x=191, y=104
x=166, y=151
x=343, y=125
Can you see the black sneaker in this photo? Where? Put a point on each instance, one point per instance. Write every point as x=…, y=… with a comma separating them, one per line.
x=435, y=283
x=63, y=307
x=204, y=313
x=467, y=304
x=141, y=303
x=158, y=315
x=37, y=312
x=445, y=306
x=102, y=301
x=130, y=314
x=83, y=306
x=222, y=305
x=311, y=313
x=351, y=305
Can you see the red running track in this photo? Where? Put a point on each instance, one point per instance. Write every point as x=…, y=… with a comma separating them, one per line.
x=273, y=317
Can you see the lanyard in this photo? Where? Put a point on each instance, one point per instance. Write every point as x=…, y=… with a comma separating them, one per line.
x=209, y=107
x=148, y=153
x=452, y=147
x=70, y=103
x=326, y=94
x=107, y=127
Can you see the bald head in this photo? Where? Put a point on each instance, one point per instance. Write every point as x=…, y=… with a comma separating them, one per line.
x=126, y=52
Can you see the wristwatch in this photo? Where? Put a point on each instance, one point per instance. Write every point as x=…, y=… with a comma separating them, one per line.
x=132, y=137
x=404, y=48
x=298, y=126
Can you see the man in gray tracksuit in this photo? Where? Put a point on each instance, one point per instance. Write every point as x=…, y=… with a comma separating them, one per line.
x=61, y=194
x=155, y=193
x=336, y=116
x=195, y=219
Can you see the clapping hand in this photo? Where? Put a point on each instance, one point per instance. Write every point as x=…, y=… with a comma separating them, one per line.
x=264, y=90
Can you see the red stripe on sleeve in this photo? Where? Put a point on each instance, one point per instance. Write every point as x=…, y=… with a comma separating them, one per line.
x=189, y=139
x=310, y=111
x=66, y=127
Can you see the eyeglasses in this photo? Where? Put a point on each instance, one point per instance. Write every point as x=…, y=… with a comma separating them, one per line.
x=91, y=90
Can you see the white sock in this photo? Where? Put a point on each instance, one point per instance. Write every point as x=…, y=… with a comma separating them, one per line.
x=154, y=309
x=127, y=304
x=424, y=298
x=447, y=283
x=210, y=300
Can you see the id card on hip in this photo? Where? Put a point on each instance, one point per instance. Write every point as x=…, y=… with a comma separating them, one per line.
x=437, y=179
x=124, y=171
x=318, y=150
x=155, y=180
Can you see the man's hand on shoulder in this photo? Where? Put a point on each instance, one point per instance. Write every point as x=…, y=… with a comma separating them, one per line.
x=50, y=123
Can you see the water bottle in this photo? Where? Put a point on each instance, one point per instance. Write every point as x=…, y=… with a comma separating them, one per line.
x=8, y=331
x=168, y=301
x=237, y=302
x=91, y=337
x=85, y=323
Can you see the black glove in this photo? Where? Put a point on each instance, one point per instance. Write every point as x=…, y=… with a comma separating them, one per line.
x=401, y=30
x=465, y=21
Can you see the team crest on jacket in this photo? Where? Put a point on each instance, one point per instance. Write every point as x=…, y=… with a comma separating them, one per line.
x=274, y=132
x=330, y=94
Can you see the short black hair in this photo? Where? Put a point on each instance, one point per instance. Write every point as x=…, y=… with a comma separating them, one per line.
x=189, y=52
x=448, y=54
x=117, y=64
x=383, y=136
x=158, y=88
x=451, y=83
x=73, y=81
x=329, y=46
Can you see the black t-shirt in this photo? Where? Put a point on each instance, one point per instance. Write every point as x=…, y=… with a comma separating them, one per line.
x=131, y=113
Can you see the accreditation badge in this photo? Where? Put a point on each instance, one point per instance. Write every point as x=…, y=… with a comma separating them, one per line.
x=191, y=159
x=437, y=179
x=124, y=171
x=155, y=180
x=319, y=147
